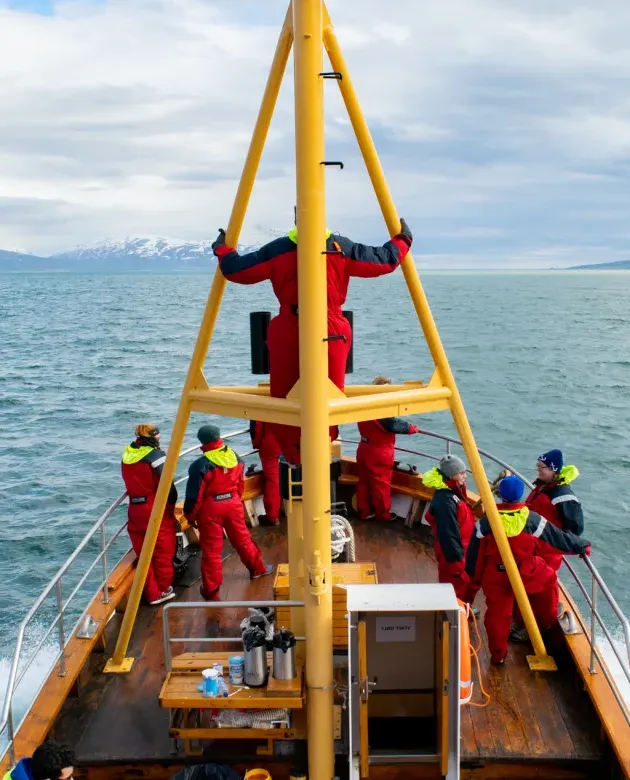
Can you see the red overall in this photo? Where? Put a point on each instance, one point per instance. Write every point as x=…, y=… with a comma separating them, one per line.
x=452, y=521
x=213, y=501
x=539, y=580
x=269, y=453
x=277, y=261
x=375, y=464
x=141, y=482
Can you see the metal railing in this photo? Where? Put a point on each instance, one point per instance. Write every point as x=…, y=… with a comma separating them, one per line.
x=597, y=585
x=169, y=640
x=59, y=623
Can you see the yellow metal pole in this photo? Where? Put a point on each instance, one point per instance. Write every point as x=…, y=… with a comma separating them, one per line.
x=119, y=662
x=295, y=527
x=315, y=447
x=421, y=304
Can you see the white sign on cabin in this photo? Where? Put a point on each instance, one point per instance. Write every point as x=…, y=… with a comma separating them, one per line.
x=396, y=629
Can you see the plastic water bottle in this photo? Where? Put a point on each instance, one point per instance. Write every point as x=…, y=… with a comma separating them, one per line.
x=223, y=689
x=210, y=683
x=236, y=669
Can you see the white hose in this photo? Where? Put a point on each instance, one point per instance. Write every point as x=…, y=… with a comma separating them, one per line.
x=341, y=536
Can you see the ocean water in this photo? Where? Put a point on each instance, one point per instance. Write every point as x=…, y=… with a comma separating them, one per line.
x=542, y=360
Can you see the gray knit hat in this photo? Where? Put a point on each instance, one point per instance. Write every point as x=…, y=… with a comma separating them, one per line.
x=208, y=434
x=450, y=465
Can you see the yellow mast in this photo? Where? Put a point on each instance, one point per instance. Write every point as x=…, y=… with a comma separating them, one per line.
x=313, y=405
x=315, y=442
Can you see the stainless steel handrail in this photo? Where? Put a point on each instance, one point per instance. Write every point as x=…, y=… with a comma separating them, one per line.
x=55, y=583
x=168, y=608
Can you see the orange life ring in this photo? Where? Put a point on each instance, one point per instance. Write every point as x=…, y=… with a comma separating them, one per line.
x=465, y=670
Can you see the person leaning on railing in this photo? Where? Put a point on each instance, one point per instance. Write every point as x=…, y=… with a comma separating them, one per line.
x=269, y=453
x=554, y=499
x=50, y=761
x=142, y=463
x=530, y=537
x=375, y=463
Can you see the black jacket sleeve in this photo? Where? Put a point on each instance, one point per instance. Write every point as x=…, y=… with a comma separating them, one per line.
x=569, y=508
x=549, y=536
x=444, y=510
x=395, y=425
x=196, y=470
x=156, y=460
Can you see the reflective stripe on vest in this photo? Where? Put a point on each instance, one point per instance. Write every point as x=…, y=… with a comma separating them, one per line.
x=541, y=527
x=224, y=458
x=562, y=499
x=135, y=454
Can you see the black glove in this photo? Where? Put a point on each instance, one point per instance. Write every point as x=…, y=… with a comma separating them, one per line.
x=220, y=241
x=405, y=233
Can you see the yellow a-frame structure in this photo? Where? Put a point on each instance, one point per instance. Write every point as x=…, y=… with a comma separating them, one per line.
x=316, y=403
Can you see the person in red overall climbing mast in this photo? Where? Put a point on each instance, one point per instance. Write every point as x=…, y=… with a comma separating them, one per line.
x=451, y=519
x=269, y=453
x=375, y=463
x=213, y=502
x=277, y=262
x=554, y=499
x=530, y=537
x=142, y=463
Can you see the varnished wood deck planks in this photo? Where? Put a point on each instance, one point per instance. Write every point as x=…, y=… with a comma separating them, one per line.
x=533, y=717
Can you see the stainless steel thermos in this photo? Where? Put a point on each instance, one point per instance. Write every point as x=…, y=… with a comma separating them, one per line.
x=283, y=644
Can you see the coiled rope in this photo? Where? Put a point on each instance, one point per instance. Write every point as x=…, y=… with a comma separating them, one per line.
x=341, y=536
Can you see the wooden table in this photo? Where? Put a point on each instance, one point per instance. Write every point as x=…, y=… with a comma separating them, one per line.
x=179, y=694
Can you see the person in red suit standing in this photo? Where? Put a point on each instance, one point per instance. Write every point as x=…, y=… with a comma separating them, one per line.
x=375, y=463
x=213, y=502
x=554, y=499
x=530, y=536
x=452, y=520
x=277, y=262
x=141, y=467
x=269, y=453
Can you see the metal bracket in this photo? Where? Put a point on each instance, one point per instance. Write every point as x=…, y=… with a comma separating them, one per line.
x=544, y=663
x=339, y=337
x=121, y=668
x=332, y=162
x=569, y=624
x=88, y=628
x=334, y=74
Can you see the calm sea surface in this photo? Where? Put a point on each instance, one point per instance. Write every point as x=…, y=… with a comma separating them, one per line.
x=542, y=361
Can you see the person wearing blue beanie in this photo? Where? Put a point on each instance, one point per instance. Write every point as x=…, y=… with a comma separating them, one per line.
x=511, y=489
x=554, y=499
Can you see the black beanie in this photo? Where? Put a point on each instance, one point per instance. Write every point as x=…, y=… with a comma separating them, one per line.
x=208, y=434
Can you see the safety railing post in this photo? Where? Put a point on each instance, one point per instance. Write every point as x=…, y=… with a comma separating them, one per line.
x=104, y=560
x=62, y=630
x=11, y=736
x=592, y=669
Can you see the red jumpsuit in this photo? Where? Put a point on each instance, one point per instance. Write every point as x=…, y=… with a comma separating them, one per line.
x=452, y=520
x=213, y=501
x=141, y=469
x=375, y=464
x=530, y=536
x=277, y=261
x=557, y=502
x=269, y=453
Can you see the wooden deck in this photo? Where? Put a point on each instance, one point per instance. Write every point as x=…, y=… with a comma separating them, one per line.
x=545, y=719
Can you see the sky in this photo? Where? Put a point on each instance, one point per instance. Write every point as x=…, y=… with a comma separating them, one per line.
x=503, y=125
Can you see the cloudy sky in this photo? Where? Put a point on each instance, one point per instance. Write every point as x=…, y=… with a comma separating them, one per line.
x=503, y=125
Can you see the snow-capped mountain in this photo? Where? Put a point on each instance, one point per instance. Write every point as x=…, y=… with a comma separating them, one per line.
x=140, y=252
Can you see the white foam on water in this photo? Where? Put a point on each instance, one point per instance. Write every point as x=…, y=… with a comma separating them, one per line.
x=30, y=684
x=612, y=662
